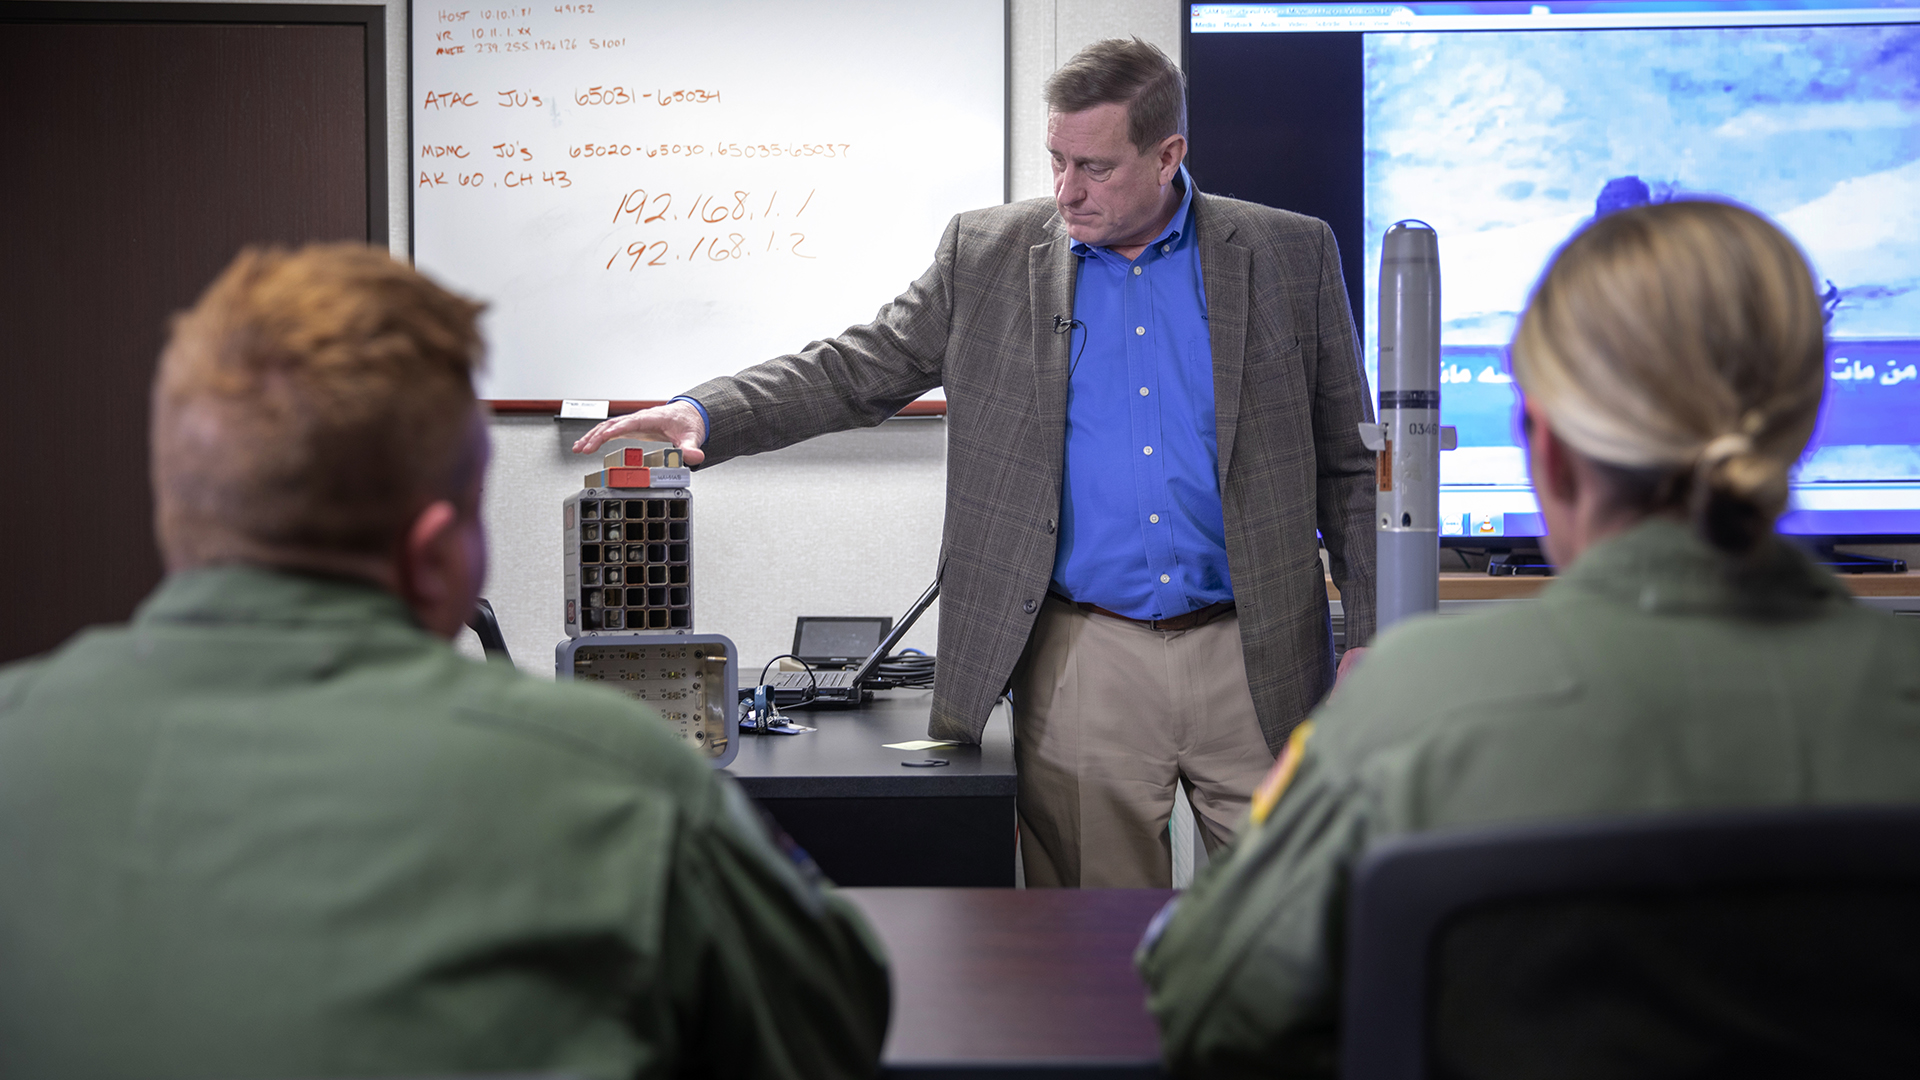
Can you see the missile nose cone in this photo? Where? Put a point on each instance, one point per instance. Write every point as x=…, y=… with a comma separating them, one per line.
x=1410, y=241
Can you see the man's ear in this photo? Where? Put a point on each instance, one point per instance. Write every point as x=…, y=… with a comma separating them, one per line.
x=1173, y=151
x=432, y=574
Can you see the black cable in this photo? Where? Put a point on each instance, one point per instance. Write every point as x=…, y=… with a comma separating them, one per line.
x=1068, y=326
x=813, y=681
x=908, y=668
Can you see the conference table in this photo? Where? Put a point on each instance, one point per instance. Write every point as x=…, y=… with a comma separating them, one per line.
x=869, y=818
x=1012, y=983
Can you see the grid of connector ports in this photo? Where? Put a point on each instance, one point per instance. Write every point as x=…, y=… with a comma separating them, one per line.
x=634, y=569
x=686, y=685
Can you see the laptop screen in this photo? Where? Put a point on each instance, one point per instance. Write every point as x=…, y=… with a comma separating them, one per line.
x=838, y=640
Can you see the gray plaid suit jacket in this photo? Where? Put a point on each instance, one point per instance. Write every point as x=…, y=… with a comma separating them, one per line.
x=1288, y=392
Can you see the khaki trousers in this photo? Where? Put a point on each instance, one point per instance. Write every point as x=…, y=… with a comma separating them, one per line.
x=1107, y=716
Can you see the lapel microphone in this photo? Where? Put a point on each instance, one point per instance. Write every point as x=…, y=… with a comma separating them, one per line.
x=1064, y=325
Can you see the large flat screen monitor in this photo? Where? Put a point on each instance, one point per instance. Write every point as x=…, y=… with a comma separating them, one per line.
x=1507, y=126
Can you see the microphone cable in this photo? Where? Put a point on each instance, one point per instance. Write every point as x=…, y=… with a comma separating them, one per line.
x=1064, y=325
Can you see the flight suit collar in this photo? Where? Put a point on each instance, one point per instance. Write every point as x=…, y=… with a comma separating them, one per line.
x=242, y=594
x=1660, y=566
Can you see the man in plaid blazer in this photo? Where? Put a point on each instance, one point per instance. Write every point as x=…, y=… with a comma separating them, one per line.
x=1112, y=707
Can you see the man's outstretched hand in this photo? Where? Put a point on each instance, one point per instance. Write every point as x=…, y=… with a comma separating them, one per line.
x=1348, y=661
x=675, y=422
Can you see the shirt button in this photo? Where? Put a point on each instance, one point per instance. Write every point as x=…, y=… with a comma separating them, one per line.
x=1166, y=249
x=1149, y=451
x=1139, y=331
x=1164, y=579
x=1137, y=271
x=1155, y=518
x=1143, y=391
x=1029, y=606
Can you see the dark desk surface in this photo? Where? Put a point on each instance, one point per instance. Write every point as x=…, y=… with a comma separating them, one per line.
x=847, y=758
x=1015, y=980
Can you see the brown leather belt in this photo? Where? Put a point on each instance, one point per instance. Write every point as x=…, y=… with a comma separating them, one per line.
x=1197, y=617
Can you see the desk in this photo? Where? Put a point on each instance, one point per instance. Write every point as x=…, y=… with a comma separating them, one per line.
x=868, y=820
x=1013, y=983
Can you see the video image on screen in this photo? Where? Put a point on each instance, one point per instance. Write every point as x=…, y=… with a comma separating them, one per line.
x=1507, y=142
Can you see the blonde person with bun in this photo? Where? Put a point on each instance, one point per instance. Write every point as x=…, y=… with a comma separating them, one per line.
x=1672, y=362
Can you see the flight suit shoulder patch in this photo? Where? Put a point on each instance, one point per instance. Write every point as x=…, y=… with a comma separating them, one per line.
x=1275, y=785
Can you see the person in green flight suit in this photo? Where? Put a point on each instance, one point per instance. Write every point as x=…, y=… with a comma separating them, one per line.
x=278, y=827
x=1672, y=363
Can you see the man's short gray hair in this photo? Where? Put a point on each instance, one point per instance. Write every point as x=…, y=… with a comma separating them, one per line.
x=1119, y=71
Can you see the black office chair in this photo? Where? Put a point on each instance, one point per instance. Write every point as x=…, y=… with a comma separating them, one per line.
x=1751, y=944
x=487, y=627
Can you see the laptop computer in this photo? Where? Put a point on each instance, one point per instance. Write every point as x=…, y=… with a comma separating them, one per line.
x=837, y=641
x=846, y=687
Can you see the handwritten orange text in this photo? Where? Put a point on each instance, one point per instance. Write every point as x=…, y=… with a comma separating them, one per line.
x=719, y=149
x=447, y=99
x=645, y=209
x=710, y=249
x=604, y=95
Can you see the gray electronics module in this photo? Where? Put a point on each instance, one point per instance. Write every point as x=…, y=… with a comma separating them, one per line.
x=627, y=558
x=690, y=679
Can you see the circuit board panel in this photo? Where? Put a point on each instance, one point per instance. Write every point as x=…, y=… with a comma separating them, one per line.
x=687, y=680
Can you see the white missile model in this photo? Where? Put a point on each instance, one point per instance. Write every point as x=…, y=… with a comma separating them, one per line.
x=1408, y=438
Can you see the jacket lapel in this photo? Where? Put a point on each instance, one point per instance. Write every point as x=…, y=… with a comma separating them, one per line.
x=1227, y=271
x=1050, y=277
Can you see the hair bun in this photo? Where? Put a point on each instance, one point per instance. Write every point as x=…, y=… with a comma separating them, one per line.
x=1732, y=444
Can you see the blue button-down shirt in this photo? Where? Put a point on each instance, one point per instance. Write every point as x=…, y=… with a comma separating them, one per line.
x=1141, y=531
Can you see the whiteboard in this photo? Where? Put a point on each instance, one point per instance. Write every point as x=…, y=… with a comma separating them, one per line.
x=651, y=194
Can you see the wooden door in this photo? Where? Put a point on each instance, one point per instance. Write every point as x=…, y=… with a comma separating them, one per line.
x=139, y=157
